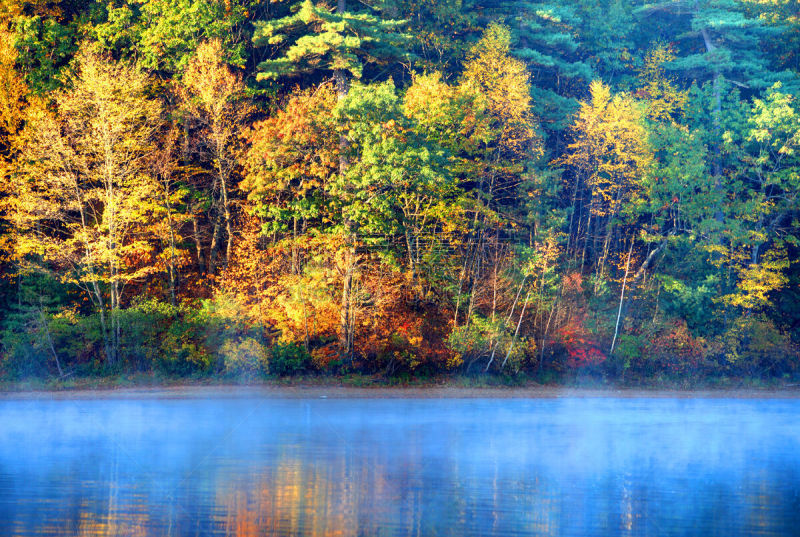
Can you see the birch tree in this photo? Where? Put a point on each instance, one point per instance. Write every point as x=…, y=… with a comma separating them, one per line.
x=85, y=196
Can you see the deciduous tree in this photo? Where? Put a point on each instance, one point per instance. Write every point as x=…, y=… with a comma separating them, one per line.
x=86, y=194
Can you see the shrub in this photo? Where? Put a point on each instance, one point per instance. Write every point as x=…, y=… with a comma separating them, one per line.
x=658, y=349
x=630, y=353
x=182, y=357
x=326, y=358
x=580, y=345
x=285, y=359
x=143, y=326
x=26, y=338
x=22, y=357
x=244, y=358
x=755, y=346
x=674, y=350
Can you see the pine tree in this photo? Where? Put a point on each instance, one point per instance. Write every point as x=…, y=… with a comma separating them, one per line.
x=718, y=40
x=317, y=38
x=340, y=42
x=545, y=38
x=720, y=44
x=783, y=48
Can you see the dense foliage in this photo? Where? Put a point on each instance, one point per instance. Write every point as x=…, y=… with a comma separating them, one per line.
x=240, y=188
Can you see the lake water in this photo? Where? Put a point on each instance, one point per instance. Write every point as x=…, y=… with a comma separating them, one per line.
x=254, y=466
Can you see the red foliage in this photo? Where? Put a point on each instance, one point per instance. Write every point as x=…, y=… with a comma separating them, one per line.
x=581, y=350
x=674, y=348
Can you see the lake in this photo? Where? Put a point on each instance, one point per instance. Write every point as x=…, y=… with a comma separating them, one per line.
x=256, y=465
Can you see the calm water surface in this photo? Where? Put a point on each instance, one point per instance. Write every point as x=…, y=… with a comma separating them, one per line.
x=320, y=467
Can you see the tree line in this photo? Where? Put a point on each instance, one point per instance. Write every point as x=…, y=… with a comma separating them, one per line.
x=240, y=187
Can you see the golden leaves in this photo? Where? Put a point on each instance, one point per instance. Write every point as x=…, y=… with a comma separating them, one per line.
x=610, y=148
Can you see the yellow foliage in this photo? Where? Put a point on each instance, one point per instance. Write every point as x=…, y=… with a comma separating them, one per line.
x=298, y=306
x=295, y=151
x=610, y=150
x=757, y=281
x=13, y=92
x=12, y=89
x=211, y=85
x=502, y=83
x=84, y=199
x=662, y=97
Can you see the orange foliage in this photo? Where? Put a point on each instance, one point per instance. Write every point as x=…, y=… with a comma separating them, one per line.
x=401, y=335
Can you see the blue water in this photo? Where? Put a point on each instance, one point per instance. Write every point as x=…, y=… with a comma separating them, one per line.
x=255, y=466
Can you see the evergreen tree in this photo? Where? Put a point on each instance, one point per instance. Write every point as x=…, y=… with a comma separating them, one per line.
x=783, y=48
x=318, y=38
x=718, y=40
x=341, y=42
x=546, y=39
x=721, y=44
x=443, y=31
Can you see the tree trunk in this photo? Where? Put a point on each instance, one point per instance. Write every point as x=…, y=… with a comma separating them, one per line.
x=295, y=264
x=412, y=265
x=46, y=329
x=508, y=320
x=621, y=299
x=198, y=243
x=171, y=268
x=717, y=165
x=516, y=332
x=214, y=249
x=346, y=307
x=228, y=223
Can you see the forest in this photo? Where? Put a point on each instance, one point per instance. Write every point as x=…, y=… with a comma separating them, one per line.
x=400, y=188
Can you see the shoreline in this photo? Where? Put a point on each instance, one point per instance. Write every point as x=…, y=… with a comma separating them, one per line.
x=383, y=392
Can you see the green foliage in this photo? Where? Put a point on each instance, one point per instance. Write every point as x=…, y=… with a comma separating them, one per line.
x=442, y=30
x=171, y=31
x=23, y=352
x=317, y=37
x=183, y=349
x=546, y=39
x=754, y=345
x=115, y=27
x=394, y=171
x=484, y=340
x=784, y=43
x=629, y=350
x=473, y=341
x=284, y=359
x=221, y=319
x=693, y=302
x=45, y=48
x=718, y=38
x=142, y=326
x=551, y=178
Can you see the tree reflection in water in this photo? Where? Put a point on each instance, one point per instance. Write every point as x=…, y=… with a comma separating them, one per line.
x=257, y=467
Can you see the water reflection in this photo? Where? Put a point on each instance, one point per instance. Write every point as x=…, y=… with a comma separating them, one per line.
x=257, y=467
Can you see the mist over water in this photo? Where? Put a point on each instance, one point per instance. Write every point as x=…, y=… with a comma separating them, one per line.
x=257, y=466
